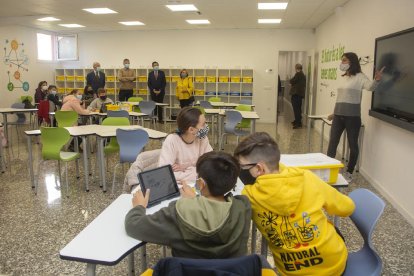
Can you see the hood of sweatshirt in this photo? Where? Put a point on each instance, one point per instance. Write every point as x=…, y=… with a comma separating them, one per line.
x=282, y=191
x=213, y=225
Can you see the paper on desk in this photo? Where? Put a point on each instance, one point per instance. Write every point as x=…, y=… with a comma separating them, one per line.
x=307, y=159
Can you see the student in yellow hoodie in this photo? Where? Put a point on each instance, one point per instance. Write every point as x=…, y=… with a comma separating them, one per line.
x=287, y=208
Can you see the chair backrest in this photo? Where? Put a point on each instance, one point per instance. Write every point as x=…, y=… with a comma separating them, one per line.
x=66, y=118
x=233, y=118
x=246, y=101
x=135, y=99
x=21, y=117
x=147, y=107
x=246, y=265
x=131, y=143
x=206, y=104
x=368, y=209
x=115, y=121
x=119, y=113
x=43, y=110
x=214, y=99
x=245, y=123
x=52, y=106
x=53, y=139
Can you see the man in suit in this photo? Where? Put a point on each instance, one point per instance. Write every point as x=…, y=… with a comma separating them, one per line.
x=156, y=84
x=297, y=91
x=96, y=78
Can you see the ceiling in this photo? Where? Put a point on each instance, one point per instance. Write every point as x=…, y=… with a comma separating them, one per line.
x=223, y=14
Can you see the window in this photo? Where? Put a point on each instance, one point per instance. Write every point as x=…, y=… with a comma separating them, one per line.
x=44, y=47
x=67, y=47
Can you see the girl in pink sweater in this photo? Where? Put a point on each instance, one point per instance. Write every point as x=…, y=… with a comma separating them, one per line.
x=72, y=102
x=182, y=149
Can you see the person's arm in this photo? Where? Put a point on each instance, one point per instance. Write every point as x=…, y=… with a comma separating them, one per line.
x=190, y=87
x=158, y=228
x=78, y=109
x=179, y=88
x=295, y=79
x=103, y=79
x=93, y=105
x=121, y=76
x=336, y=203
x=88, y=79
x=149, y=82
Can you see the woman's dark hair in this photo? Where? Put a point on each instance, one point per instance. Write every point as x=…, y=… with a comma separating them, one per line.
x=74, y=91
x=188, y=117
x=219, y=170
x=354, y=66
x=41, y=84
x=51, y=87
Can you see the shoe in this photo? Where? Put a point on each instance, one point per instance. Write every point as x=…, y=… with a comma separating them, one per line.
x=348, y=177
x=293, y=123
x=297, y=126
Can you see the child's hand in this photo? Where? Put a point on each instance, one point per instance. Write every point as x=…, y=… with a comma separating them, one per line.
x=177, y=167
x=139, y=199
x=186, y=191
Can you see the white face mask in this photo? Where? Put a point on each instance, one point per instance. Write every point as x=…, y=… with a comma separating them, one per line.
x=126, y=65
x=344, y=67
x=44, y=87
x=79, y=97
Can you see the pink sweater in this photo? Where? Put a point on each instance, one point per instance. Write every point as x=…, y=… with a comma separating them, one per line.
x=71, y=103
x=175, y=151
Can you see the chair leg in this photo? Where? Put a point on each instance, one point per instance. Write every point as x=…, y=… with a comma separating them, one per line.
x=60, y=175
x=221, y=146
x=36, y=184
x=113, y=179
x=67, y=181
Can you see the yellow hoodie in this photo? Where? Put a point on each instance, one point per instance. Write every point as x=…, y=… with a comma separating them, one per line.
x=287, y=209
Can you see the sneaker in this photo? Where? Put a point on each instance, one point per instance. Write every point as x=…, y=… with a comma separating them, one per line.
x=297, y=126
x=348, y=177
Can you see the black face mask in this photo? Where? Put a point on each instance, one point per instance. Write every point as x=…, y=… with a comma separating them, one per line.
x=103, y=98
x=246, y=177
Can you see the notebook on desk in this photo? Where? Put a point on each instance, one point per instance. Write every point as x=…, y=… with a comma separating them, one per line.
x=161, y=182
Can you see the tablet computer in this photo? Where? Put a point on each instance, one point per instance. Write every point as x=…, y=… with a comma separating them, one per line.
x=161, y=181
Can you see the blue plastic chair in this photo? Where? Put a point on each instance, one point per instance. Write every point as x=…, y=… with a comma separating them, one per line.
x=131, y=143
x=148, y=107
x=119, y=113
x=233, y=118
x=369, y=208
x=206, y=104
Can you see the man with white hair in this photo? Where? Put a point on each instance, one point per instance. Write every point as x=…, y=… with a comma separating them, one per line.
x=96, y=78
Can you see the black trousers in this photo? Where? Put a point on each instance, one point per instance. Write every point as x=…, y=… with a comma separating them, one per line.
x=352, y=125
x=124, y=95
x=297, y=108
x=158, y=99
x=184, y=103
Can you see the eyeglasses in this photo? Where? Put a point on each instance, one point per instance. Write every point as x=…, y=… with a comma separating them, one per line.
x=250, y=165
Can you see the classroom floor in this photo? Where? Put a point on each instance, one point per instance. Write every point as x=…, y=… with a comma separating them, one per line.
x=33, y=229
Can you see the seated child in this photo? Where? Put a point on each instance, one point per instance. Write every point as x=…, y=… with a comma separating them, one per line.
x=213, y=225
x=287, y=207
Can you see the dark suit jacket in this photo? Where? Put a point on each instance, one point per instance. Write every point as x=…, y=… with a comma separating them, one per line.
x=95, y=82
x=298, y=83
x=158, y=83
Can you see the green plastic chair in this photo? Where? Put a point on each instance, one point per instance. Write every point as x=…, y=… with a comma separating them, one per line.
x=214, y=99
x=135, y=108
x=23, y=98
x=53, y=140
x=66, y=118
x=245, y=123
x=113, y=146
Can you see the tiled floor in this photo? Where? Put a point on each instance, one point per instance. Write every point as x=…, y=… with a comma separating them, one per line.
x=33, y=229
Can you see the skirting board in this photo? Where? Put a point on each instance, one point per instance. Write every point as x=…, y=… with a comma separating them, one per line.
x=409, y=217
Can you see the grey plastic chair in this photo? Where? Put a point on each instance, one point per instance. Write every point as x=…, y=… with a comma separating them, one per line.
x=369, y=208
x=131, y=143
x=206, y=104
x=148, y=107
x=119, y=113
x=246, y=101
x=21, y=120
x=233, y=118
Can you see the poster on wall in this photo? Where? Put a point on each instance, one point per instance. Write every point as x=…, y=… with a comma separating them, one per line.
x=16, y=62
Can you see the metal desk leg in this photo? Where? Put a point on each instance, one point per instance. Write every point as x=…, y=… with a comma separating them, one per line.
x=263, y=250
x=253, y=125
x=322, y=132
x=143, y=252
x=29, y=147
x=253, y=241
x=6, y=132
x=90, y=269
x=309, y=131
x=131, y=264
x=102, y=167
x=220, y=122
x=85, y=162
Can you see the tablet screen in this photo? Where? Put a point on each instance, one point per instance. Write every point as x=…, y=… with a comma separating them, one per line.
x=161, y=182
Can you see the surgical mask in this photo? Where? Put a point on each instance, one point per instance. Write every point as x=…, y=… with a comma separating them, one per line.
x=98, y=69
x=53, y=92
x=79, y=97
x=44, y=87
x=202, y=132
x=183, y=75
x=344, y=67
x=246, y=177
x=103, y=98
x=126, y=65
x=156, y=68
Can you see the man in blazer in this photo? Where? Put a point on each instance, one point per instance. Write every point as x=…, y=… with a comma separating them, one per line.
x=156, y=84
x=96, y=78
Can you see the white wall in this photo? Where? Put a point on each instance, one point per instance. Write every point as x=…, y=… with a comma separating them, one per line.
x=37, y=71
x=388, y=151
x=256, y=49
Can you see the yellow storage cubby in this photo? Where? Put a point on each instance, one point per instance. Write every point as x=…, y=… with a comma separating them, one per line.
x=60, y=78
x=235, y=79
x=223, y=79
x=61, y=90
x=80, y=78
x=70, y=78
x=248, y=79
x=142, y=78
x=175, y=78
x=199, y=92
x=110, y=91
x=142, y=91
x=200, y=78
x=110, y=78
x=211, y=79
x=68, y=90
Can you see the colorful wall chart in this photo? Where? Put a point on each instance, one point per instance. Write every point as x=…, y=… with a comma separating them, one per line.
x=16, y=60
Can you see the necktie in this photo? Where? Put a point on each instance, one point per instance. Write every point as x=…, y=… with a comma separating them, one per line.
x=156, y=74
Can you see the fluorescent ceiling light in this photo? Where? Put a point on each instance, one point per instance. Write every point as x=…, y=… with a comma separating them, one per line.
x=272, y=6
x=100, y=11
x=71, y=25
x=48, y=19
x=189, y=7
x=132, y=23
x=198, y=21
x=269, y=21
